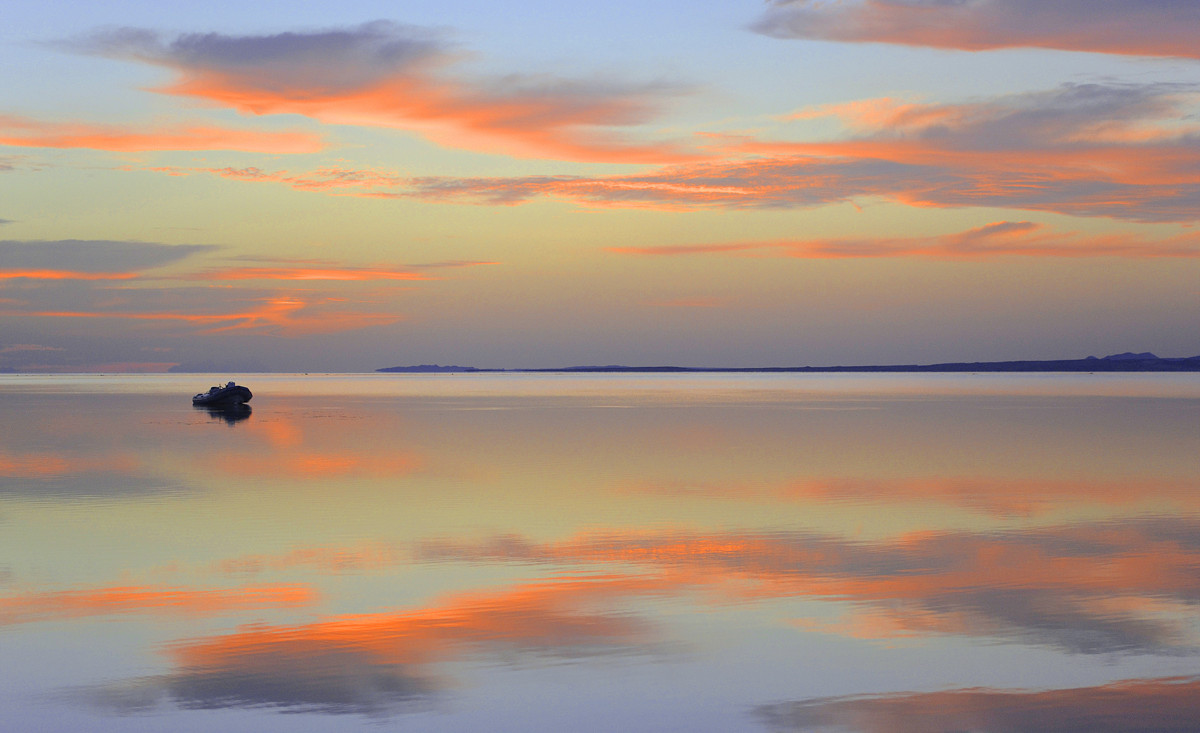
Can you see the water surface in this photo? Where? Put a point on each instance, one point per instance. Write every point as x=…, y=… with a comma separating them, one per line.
x=617, y=552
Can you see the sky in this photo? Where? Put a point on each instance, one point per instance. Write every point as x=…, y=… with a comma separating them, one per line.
x=310, y=186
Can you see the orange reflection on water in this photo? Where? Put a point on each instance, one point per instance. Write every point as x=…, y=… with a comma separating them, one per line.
x=54, y=464
x=1097, y=587
x=995, y=496
x=374, y=662
x=57, y=605
x=545, y=616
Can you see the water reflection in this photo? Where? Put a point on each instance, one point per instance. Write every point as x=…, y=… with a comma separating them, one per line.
x=456, y=554
x=230, y=412
x=370, y=663
x=1097, y=588
x=1165, y=706
x=121, y=600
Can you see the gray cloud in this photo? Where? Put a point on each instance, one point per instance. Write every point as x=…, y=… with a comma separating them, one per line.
x=336, y=60
x=1128, y=27
x=93, y=256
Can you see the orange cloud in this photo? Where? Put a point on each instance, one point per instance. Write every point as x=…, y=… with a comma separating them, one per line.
x=999, y=239
x=311, y=273
x=24, y=132
x=386, y=75
x=325, y=559
x=1162, y=28
x=324, y=179
x=130, y=599
x=284, y=315
x=1120, y=151
x=65, y=275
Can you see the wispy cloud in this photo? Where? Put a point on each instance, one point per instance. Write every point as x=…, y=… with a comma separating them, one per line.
x=280, y=315
x=1127, y=27
x=998, y=239
x=311, y=273
x=28, y=347
x=389, y=75
x=25, y=132
x=1119, y=151
x=64, y=275
x=88, y=259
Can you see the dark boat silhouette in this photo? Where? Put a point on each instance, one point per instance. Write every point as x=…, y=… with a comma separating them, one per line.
x=230, y=394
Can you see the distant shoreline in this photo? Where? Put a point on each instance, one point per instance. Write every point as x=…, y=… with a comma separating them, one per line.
x=1115, y=363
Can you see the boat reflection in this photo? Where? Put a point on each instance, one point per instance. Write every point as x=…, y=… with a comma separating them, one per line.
x=230, y=412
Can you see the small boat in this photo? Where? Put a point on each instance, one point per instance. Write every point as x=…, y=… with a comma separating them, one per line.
x=230, y=394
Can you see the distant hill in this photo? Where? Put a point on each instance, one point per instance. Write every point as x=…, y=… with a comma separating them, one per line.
x=1126, y=362
x=433, y=369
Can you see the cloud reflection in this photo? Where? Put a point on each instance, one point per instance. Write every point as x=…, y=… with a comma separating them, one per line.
x=1116, y=587
x=378, y=663
x=70, y=604
x=1169, y=705
x=995, y=496
x=52, y=474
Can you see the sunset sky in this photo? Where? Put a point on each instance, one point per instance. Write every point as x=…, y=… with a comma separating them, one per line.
x=303, y=186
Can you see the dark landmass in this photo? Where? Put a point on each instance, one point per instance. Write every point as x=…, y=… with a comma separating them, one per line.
x=435, y=369
x=247, y=367
x=1126, y=362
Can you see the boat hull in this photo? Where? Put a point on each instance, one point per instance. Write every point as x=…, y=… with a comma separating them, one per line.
x=235, y=395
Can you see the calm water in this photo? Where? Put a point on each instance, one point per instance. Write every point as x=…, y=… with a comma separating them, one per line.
x=573, y=553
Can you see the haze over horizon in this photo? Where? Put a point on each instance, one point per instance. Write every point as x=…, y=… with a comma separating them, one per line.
x=273, y=187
